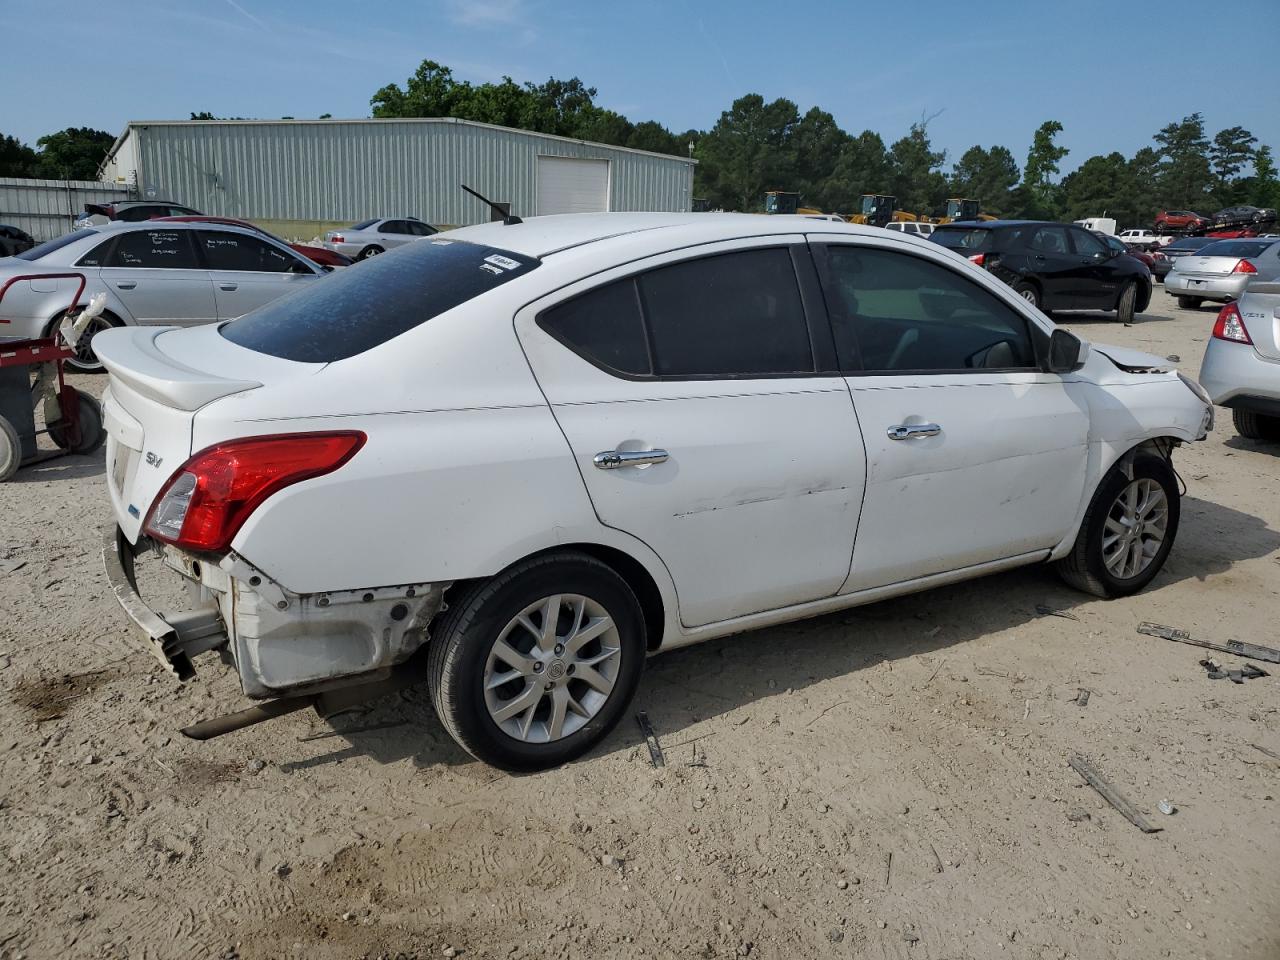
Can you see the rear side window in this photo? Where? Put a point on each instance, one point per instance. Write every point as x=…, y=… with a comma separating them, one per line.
x=155, y=249
x=362, y=225
x=970, y=241
x=234, y=251
x=355, y=310
x=144, y=212
x=729, y=315
x=605, y=326
x=1235, y=248
x=393, y=226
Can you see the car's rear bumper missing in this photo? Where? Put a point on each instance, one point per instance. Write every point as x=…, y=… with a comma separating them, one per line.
x=173, y=639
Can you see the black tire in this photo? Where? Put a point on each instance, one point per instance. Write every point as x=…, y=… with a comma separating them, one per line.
x=92, y=434
x=10, y=450
x=464, y=636
x=1127, y=302
x=370, y=251
x=1084, y=567
x=1189, y=303
x=85, y=360
x=1256, y=426
x=1029, y=292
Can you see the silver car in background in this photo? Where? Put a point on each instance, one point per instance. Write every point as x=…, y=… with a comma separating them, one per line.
x=368, y=238
x=1221, y=270
x=1241, y=367
x=151, y=274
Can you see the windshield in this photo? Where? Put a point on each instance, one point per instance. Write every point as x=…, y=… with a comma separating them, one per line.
x=962, y=238
x=49, y=246
x=360, y=308
x=1235, y=248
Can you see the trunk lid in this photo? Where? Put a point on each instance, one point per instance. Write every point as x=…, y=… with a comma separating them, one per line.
x=1260, y=310
x=160, y=378
x=1198, y=266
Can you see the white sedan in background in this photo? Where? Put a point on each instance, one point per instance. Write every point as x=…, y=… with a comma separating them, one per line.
x=537, y=452
x=368, y=238
x=151, y=273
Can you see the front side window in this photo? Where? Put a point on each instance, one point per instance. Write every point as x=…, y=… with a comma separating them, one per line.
x=893, y=313
x=420, y=229
x=235, y=251
x=393, y=226
x=164, y=249
x=1086, y=244
x=728, y=315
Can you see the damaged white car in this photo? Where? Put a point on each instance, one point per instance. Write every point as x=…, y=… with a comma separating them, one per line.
x=519, y=458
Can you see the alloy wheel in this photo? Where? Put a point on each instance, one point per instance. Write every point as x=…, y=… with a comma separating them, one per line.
x=552, y=668
x=1135, y=528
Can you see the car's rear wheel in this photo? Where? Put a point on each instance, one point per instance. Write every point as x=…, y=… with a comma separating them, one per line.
x=91, y=436
x=10, y=450
x=1189, y=303
x=531, y=668
x=1028, y=291
x=1127, y=304
x=1128, y=530
x=85, y=360
x=1256, y=426
x=370, y=251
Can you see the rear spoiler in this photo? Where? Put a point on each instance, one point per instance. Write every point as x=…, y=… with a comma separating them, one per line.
x=101, y=209
x=1271, y=288
x=130, y=354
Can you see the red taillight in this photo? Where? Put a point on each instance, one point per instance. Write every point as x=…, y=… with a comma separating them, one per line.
x=978, y=259
x=1230, y=325
x=337, y=238
x=208, y=499
x=1244, y=266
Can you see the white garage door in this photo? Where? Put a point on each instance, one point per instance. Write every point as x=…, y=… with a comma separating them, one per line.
x=570, y=185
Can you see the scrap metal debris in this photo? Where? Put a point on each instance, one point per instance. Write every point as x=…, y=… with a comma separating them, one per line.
x=651, y=738
x=1270, y=753
x=1216, y=671
x=1082, y=696
x=1250, y=651
x=1047, y=611
x=1110, y=794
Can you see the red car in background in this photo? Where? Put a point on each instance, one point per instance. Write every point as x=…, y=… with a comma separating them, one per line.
x=325, y=258
x=1179, y=220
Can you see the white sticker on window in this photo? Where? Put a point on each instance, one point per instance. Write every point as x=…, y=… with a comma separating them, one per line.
x=443, y=243
x=506, y=263
x=490, y=268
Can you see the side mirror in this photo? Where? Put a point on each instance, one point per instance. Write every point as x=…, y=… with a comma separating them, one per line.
x=1067, y=352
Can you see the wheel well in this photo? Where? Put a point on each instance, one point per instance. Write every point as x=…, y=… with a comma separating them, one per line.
x=1161, y=447
x=57, y=319
x=627, y=567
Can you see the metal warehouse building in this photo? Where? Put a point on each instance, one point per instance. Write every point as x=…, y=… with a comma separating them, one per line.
x=340, y=171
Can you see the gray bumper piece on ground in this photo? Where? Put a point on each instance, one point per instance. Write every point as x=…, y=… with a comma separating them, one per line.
x=173, y=640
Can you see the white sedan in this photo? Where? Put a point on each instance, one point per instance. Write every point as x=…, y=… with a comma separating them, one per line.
x=522, y=457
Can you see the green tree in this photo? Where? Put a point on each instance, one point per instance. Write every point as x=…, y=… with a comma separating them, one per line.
x=16, y=158
x=1264, y=186
x=987, y=176
x=1186, y=179
x=430, y=92
x=862, y=167
x=1101, y=186
x=1038, y=194
x=748, y=152
x=918, y=182
x=1230, y=152
x=653, y=136
x=815, y=146
x=74, y=153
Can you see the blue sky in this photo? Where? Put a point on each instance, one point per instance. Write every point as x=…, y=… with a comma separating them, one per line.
x=1112, y=72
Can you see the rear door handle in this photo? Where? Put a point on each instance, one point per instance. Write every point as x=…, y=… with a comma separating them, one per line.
x=127, y=284
x=909, y=431
x=226, y=286
x=613, y=459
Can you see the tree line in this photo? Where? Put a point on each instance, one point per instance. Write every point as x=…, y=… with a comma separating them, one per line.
x=758, y=145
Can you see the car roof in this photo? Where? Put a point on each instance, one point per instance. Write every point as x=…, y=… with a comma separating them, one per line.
x=170, y=223
x=544, y=236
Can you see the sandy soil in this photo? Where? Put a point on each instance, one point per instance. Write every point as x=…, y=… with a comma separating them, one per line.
x=889, y=782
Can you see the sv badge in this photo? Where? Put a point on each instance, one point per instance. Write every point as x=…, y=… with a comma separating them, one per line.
x=153, y=460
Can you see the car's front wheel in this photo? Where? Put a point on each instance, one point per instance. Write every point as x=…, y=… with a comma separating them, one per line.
x=531, y=668
x=1256, y=426
x=1127, y=304
x=1128, y=530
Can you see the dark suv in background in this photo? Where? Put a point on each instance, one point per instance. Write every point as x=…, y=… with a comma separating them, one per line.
x=1055, y=266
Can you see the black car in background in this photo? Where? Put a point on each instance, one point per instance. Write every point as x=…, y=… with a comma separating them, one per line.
x=14, y=240
x=1055, y=266
x=1179, y=248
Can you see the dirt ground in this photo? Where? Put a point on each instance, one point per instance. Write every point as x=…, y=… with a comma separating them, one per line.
x=888, y=782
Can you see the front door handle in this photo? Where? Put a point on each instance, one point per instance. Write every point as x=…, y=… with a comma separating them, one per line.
x=909, y=431
x=127, y=284
x=613, y=459
x=226, y=286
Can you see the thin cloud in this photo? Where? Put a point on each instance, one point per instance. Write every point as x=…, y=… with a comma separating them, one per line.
x=246, y=13
x=494, y=13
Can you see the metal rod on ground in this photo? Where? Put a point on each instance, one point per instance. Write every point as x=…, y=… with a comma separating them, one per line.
x=1250, y=651
x=651, y=738
x=1109, y=793
x=208, y=729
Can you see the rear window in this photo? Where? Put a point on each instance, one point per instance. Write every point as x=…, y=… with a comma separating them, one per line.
x=964, y=238
x=1235, y=248
x=49, y=246
x=1190, y=243
x=362, y=225
x=353, y=311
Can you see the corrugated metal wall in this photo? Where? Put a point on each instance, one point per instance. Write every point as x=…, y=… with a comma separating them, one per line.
x=346, y=170
x=47, y=208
